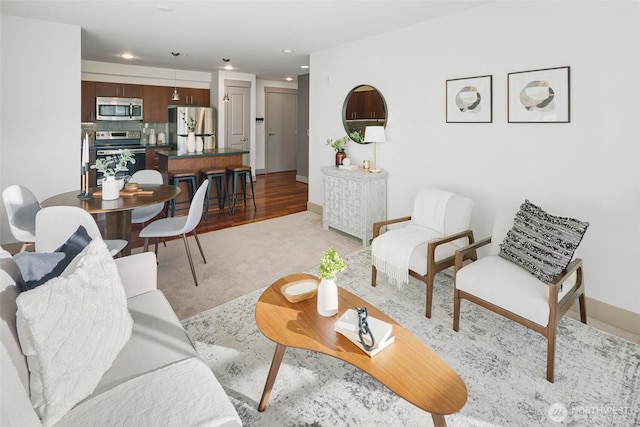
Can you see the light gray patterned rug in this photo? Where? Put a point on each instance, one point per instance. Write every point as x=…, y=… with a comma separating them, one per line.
x=503, y=365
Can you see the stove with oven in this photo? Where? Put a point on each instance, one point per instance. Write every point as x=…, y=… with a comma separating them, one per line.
x=107, y=146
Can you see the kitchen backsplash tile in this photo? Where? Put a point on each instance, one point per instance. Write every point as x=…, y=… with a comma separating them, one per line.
x=92, y=128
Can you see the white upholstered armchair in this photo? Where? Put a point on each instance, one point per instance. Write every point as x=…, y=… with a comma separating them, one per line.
x=498, y=283
x=424, y=243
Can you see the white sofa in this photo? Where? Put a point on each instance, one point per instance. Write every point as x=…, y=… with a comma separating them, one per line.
x=156, y=379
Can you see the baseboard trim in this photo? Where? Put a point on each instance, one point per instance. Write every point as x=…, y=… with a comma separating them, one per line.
x=612, y=315
x=314, y=208
x=301, y=178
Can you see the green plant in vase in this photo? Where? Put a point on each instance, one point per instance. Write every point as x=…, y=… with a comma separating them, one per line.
x=339, y=145
x=330, y=265
x=110, y=166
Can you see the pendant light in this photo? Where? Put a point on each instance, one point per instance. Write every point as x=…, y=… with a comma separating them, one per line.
x=175, y=96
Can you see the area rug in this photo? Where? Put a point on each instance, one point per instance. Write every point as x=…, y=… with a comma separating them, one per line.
x=502, y=364
x=237, y=256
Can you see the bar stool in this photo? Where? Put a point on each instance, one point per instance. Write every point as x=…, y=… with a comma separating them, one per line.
x=220, y=175
x=176, y=177
x=240, y=171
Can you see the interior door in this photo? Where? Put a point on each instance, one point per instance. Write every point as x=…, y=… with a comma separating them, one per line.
x=281, y=116
x=238, y=111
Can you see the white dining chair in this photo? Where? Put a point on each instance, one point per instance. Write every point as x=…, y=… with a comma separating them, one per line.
x=179, y=225
x=21, y=206
x=55, y=224
x=146, y=213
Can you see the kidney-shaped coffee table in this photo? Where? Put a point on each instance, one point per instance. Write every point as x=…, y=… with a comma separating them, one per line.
x=407, y=367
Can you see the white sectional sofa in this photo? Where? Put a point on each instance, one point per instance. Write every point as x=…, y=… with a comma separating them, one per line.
x=156, y=379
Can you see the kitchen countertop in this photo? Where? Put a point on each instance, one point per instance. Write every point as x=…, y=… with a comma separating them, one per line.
x=173, y=154
x=157, y=146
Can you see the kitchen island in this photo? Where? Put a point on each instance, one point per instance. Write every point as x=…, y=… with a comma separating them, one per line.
x=171, y=161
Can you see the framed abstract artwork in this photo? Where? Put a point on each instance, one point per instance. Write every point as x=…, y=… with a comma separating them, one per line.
x=470, y=100
x=539, y=96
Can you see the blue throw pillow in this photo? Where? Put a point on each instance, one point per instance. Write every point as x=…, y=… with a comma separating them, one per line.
x=75, y=243
x=38, y=268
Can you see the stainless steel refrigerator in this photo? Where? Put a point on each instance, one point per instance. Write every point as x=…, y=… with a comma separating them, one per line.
x=205, y=118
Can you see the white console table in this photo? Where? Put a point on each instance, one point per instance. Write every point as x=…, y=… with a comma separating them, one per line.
x=353, y=201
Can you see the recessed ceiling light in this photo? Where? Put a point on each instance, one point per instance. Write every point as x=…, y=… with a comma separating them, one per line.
x=127, y=55
x=228, y=67
x=164, y=9
x=304, y=67
x=289, y=79
x=287, y=51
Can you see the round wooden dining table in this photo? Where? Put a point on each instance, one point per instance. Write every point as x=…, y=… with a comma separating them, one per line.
x=117, y=213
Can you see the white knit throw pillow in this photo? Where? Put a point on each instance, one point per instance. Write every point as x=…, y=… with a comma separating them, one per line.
x=71, y=329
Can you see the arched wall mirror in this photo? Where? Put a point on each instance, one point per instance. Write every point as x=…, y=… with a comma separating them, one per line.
x=364, y=106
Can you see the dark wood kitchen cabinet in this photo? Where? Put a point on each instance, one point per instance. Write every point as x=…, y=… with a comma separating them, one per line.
x=88, y=107
x=190, y=96
x=151, y=158
x=156, y=98
x=155, y=105
x=365, y=104
x=200, y=97
x=122, y=90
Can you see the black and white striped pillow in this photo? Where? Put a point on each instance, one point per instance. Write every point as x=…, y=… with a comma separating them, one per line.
x=542, y=243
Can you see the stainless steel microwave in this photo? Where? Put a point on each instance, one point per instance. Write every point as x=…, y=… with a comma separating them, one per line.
x=123, y=109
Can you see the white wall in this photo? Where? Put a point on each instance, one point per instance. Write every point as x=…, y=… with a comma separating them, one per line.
x=136, y=74
x=587, y=169
x=40, y=108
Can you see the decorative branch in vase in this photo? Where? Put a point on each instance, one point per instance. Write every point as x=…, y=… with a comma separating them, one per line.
x=192, y=125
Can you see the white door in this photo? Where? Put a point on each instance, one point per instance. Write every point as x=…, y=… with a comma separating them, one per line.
x=238, y=111
x=281, y=119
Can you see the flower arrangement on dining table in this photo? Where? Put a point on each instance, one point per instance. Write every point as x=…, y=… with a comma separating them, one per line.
x=110, y=166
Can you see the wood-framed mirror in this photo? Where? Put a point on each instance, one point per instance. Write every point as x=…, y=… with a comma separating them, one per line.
x=364, y=106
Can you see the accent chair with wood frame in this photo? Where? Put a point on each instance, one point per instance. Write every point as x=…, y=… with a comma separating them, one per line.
x=505, y=288
x=437, y=227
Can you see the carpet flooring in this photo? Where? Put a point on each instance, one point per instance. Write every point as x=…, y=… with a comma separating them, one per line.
x=502, y=364
x=244, y=258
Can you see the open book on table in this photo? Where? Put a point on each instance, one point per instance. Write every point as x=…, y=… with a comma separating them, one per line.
x=382, y=331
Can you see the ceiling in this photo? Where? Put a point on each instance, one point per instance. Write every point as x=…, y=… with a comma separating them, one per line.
x=252, y=34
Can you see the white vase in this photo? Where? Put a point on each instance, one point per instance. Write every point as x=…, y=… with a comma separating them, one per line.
x=110, y=189
x=327, y=298
x=191, y=142
x=199, y=144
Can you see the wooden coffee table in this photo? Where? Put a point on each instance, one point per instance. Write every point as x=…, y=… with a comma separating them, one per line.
x=407, y=367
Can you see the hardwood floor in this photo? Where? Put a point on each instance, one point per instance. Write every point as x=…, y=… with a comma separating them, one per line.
x=277, y=194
